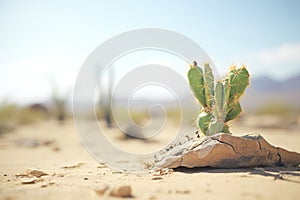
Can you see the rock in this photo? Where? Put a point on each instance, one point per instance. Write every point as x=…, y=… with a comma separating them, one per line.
x=101, y=165
x=182, y=191
x=48, y=142
x=102, y=189
x=28, y=180
x=51, y=183
x=73, y=166
x=44, y=185
x=37, y=173
x=25, y=174
x=118, y=191
x=60, y=175
x=31, y=173
x=227, y=151
x=163, y=171
x=156, y=178
x=56, y=149
x=121, y=191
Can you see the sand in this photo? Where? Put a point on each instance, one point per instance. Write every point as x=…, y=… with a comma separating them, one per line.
x=72, y=173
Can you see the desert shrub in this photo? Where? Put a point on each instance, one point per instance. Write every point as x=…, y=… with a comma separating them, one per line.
x=12, y=115
x=7, y=113
x=26, y=115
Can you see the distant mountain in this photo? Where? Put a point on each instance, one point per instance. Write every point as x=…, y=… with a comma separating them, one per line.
x=264, y=90
x=268, y=84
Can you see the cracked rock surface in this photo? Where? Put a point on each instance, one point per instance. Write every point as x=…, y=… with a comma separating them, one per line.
x=227, y=151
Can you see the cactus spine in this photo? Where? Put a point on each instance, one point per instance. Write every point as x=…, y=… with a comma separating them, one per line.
x=220, y=102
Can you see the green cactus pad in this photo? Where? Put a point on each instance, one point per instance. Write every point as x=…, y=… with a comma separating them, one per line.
x=208, y=84
x=195, y=76
x=203, y=120
x=220, y=99
x=233, y=111
x=238, y=79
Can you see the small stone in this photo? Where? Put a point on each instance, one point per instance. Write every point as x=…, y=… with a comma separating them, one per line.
x=22, y=175
x=121, y=191
x=44, y=185
x=58, y=175
x=56, y=149
x=37, y=173
x=48, y=142
x=102, y=189
x=29, y=180
x=278, y=176
x=101, y=166
x=156, y=178
x=182, y=191
x=163, y=171
x=51, y=183
x=73, y=166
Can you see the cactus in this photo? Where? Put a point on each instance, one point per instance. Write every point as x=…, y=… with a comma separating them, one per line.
x=220, y=102
x=195, y=75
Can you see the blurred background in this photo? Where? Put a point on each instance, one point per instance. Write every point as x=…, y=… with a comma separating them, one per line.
x=44, y=43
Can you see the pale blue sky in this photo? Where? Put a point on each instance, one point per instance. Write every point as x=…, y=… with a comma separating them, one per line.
x=44, y=41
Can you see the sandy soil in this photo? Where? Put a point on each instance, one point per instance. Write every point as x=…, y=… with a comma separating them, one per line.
x=73, y=174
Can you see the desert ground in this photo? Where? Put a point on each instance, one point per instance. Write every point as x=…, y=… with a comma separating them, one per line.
x=48, y=161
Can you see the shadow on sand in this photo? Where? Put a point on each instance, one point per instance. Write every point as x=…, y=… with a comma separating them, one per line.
x=277, y=173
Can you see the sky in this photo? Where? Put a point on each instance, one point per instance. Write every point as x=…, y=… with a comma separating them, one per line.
x=44, y=43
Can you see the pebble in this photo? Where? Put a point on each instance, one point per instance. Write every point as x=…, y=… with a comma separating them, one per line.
x=37, y=173
x=28, y=180
x=44, y=185
x=156, y=178
x=118, y=191
x=182, y=191
x=102, y=189
x=121, y=191
x=30, y=173
x=73, y=166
